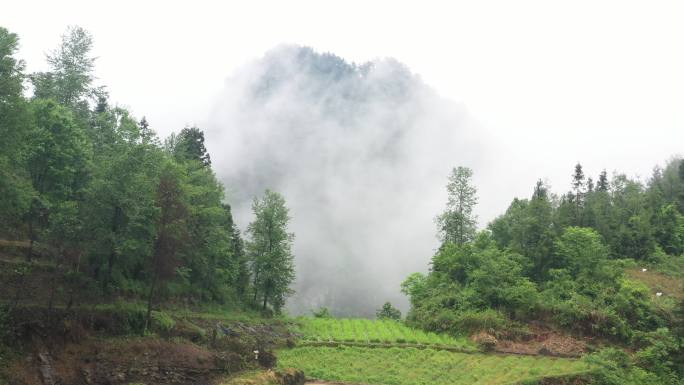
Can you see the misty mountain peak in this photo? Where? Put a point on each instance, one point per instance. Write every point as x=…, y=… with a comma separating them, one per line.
x=326, y=75
x=352, y=147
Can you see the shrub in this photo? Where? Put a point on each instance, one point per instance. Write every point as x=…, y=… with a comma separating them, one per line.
x=122, y=317
x=388, y=312
x=614, y=367
x=473, y=321
x=322, y=312
x=163, y=322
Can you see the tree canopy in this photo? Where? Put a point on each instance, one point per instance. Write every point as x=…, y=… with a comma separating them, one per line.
x=116, y=212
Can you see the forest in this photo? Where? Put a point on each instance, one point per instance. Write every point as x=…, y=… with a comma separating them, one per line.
x=565, y=260
x=102, y=222
x=117, y=211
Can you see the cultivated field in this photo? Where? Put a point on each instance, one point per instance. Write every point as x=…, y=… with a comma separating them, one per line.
x=371, y=331
x=412, y=366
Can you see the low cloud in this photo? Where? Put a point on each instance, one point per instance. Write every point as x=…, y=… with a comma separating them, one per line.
x=361, y=154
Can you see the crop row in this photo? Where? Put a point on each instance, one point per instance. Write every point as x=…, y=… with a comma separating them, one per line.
x=373, y=331
x=410, y=366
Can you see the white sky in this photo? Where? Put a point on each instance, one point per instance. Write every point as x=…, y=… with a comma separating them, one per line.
x=600, y=82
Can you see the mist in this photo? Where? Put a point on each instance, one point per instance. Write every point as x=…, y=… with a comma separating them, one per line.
x=361, y=154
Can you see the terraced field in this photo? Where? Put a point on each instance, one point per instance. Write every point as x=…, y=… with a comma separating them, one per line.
x=412, y=366
x=374, y=332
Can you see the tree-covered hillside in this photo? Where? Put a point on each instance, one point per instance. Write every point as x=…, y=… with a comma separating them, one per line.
x=92, y=196
x=562, y=261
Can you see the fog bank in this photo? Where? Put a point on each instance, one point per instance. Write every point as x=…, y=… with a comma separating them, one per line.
x=361, y=154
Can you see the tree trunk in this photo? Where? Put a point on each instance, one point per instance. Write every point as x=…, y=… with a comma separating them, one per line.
x=20, y=290
x=29, y=253
x=148, y=318
x=112, y=254
x=256, y=289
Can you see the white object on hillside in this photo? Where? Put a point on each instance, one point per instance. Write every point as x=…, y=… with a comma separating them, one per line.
x=659, y=294
x=256, y=354
x=643, y=270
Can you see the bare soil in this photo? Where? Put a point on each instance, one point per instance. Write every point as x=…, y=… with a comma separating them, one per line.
x=544, y=341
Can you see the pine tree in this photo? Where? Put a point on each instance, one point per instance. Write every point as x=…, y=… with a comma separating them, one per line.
x=190, y=145
x=578, y=188
x=171, y=230
x=602, y=184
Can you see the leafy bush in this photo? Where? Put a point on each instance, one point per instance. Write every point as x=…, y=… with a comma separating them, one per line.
x=658, y=354
x=322, y=312
x=163, y=322
x=125, y=317
x=614, y=367
x=473, y=321
x=388, y=312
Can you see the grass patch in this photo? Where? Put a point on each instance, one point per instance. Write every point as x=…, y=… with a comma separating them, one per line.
x=659, y=282
x=410, y=366
x=226, y=313
x=374, y=332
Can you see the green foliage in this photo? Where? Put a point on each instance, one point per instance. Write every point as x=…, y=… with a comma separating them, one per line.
x=388, y=312
x=94, y=190
x=572, y=276
x=580, y=250
x=614, y=367
x=562, y=259
x=384, y=331
x=472, y=321
x=410, y=366
x=322, y=312
x=465, y=283
x=162, y=322
x=126, y=317
x=189, y=145
x=659, y=354
x=270, y=250
x=71, y=75
x=457, y=224
x=15, y=186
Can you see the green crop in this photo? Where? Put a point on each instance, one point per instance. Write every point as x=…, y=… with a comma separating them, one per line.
x=413, y=366
x=375, y=332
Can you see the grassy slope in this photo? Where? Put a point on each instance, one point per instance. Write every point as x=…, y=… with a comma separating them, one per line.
x=410, y=366
x=666, y=277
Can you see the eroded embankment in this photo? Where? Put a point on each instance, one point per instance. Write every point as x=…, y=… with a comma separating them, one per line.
x=98, y=347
